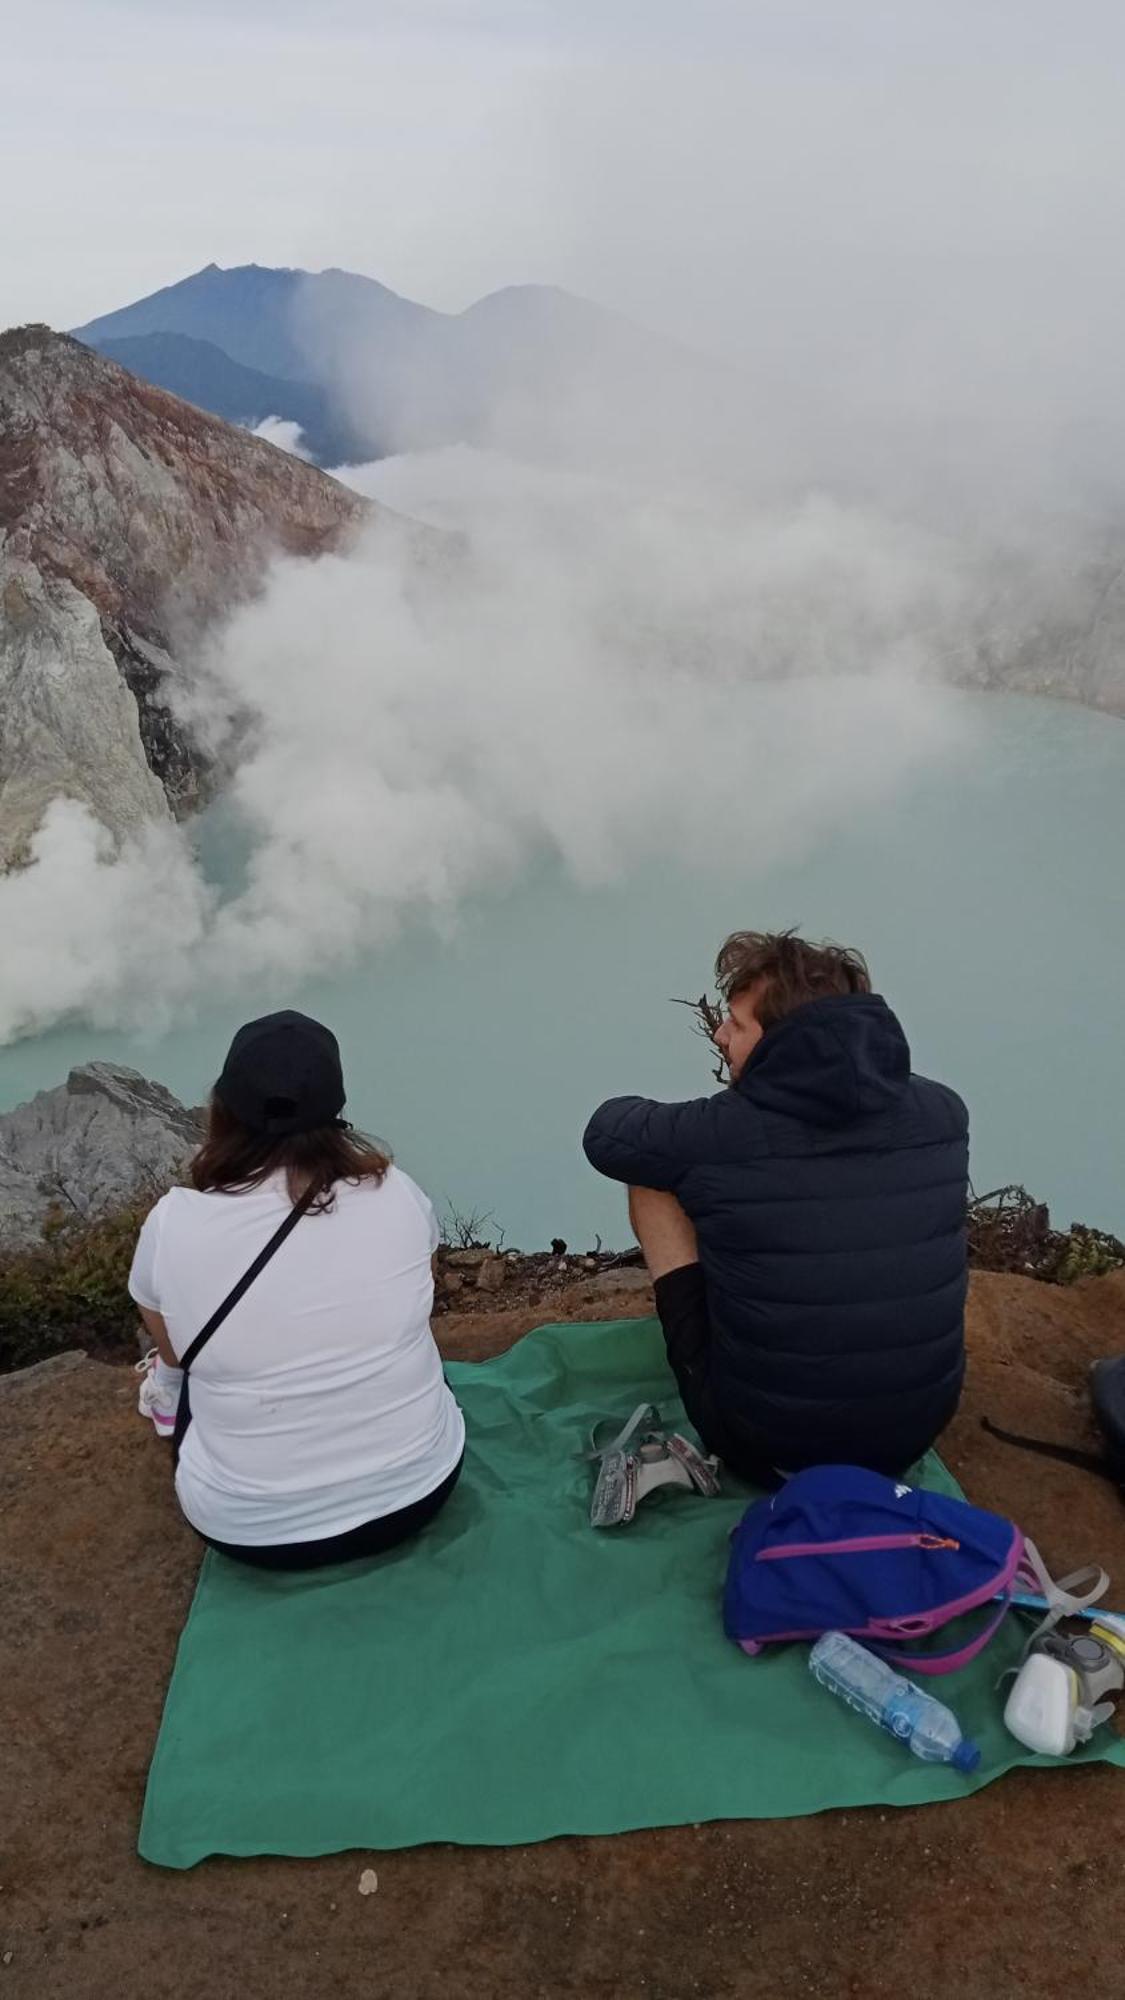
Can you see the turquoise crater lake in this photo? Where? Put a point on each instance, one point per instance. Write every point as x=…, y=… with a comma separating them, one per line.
x=988, y=896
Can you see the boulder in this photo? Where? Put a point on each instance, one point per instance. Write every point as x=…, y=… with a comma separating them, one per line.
x=623, y=1279
x=42, y=1374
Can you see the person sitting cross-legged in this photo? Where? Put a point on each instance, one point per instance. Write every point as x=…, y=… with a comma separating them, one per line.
x=322, y=1429
x=805, y=1227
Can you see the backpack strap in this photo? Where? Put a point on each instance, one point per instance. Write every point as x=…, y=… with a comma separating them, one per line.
x=948, y=1662
x=190, y=1354
x=1067, y=1598
x=1066, y=1454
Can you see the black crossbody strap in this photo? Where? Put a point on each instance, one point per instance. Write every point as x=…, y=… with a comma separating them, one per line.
x=190, y=1354
x=1066, y=1454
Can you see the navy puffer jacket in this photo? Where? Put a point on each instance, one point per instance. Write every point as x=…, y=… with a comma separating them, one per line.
x=828, y=1191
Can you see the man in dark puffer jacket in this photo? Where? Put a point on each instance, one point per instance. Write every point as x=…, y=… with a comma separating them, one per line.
x=805, y=1228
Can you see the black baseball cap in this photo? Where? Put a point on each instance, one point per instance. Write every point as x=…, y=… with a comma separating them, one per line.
x=283, y=1075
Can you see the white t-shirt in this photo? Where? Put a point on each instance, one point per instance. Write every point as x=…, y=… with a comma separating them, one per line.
x=319, y=1403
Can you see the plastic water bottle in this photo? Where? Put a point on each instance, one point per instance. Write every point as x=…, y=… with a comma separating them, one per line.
x=867, y=1683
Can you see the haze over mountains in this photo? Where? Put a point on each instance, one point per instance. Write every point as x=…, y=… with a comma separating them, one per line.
x=399, y=731
x=364, y=372
x=131, y=522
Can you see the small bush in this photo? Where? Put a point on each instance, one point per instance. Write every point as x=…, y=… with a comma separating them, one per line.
x=1010, y=1231
x=70, y=1290
x=1087, y=1253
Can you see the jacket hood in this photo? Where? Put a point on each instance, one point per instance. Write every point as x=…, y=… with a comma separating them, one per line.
x=830, y=1061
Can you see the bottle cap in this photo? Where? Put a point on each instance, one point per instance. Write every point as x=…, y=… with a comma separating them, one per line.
x=966, y=1757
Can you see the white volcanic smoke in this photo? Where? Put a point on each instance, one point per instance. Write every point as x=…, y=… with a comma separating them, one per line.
x=891, y=226
x=596, y=673
x=285, y=434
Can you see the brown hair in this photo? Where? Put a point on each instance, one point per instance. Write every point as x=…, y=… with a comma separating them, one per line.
x=232, y=1159
x=787, y=971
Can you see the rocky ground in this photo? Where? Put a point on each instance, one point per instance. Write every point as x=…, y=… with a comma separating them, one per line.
x=1019, y=1890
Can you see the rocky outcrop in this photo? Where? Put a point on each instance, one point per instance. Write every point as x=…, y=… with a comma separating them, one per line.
x=69, y=723
x=1051, y=623
x=129, y=521
x=92, y=1144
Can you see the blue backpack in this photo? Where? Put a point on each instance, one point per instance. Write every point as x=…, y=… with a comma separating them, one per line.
x=839, y=1549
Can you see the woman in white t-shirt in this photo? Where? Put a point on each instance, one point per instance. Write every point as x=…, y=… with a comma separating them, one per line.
x=321, y=1426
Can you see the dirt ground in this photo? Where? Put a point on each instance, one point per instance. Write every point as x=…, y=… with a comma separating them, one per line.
x=1019, y=1890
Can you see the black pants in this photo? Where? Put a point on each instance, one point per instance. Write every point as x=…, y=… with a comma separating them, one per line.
x=681, y=1302
x=371, y=1538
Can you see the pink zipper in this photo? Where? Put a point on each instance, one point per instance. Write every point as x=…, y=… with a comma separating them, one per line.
x=858, y=1545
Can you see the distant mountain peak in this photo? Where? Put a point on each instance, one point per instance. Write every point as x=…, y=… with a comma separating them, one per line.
x=526, y=369
x=262, y=316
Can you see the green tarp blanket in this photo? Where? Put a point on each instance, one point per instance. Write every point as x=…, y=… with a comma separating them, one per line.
x=514, y=1674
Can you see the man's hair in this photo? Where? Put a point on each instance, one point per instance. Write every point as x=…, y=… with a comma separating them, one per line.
x=787, y=970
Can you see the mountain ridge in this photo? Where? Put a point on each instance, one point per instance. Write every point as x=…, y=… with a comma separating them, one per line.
x=204, y=374
x=523, y=368
x=200, y=305
x=129, y=521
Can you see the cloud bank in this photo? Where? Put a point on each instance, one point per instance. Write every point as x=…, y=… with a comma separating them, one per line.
x=596, y=673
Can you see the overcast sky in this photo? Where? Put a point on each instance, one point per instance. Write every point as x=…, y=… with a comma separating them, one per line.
x=677, y=160
x=880, y=206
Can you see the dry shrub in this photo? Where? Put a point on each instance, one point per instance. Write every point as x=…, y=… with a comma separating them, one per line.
x=70, y=1289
